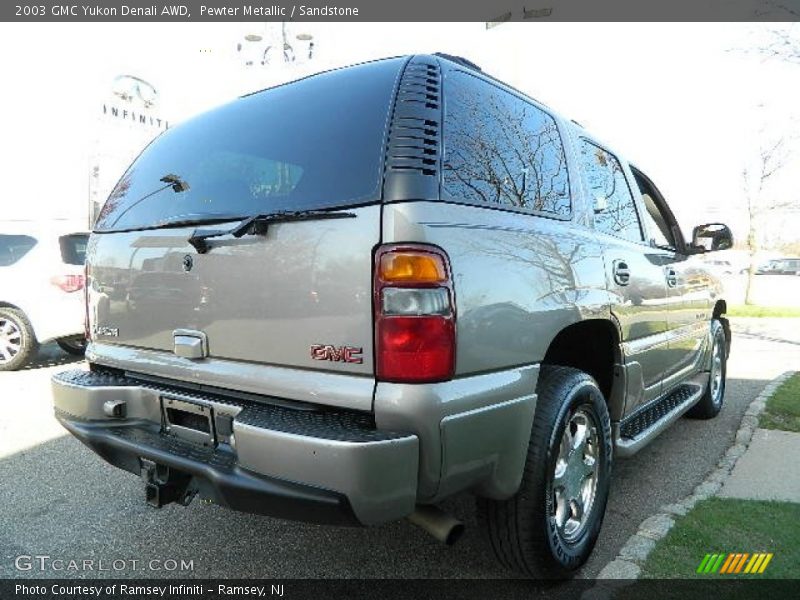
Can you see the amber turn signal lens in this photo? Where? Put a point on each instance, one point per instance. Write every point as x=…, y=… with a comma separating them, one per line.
x=412, y=267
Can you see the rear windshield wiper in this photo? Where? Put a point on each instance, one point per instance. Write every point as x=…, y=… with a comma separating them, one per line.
x=258, y=224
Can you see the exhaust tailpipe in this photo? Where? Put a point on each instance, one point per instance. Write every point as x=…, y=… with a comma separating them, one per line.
x=445, y=528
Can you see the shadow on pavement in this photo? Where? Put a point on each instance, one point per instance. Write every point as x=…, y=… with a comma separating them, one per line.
x=768, y=337
x=50, y=355
x=60, y=499
x=65, y=501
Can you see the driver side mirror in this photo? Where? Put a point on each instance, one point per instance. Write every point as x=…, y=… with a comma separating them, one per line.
x=711, y=237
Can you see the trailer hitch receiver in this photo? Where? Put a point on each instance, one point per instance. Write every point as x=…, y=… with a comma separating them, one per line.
x=163, y=485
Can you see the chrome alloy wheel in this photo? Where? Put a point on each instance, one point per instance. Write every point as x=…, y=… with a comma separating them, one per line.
x=716, y=372
x=10, y=340
x=575, y=475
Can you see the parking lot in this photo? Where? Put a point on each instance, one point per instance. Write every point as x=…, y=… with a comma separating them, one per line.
x=769, y=290
x=58, y=499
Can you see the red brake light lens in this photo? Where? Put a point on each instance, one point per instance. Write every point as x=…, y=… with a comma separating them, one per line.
x=415, y=321
x=86, y=328
x=68, y=283
x=416, y=349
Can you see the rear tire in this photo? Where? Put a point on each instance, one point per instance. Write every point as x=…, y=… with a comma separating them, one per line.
x=549, y=527
x=74, y=346
x=714, y=396
x=18, y=343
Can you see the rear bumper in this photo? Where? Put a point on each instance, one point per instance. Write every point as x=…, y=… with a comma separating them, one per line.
x=320, y=467
x=218, y=479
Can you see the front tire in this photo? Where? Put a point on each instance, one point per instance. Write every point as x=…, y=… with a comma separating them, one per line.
x=18, y=343
x=714, y=397
x=549, y=527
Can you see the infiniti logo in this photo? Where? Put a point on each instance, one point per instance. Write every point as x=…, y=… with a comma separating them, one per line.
x=129, y=87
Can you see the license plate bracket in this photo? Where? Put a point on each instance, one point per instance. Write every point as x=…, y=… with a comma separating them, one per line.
x=190, y=421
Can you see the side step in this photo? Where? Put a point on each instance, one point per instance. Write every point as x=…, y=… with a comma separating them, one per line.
x=635, y=431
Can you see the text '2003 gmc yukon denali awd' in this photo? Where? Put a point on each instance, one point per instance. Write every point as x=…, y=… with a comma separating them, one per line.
x=343, y=299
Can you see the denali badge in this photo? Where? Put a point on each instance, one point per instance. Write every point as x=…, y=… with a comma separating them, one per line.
x=346, y=354
x=107, y=331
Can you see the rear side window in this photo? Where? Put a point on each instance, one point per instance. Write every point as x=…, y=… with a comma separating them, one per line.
x=14, y=247
x=312, y=144
x=614, y=208
x=501, y=150
x=73, y=248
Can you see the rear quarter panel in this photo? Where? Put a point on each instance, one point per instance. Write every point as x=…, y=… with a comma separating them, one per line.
x=519, y=279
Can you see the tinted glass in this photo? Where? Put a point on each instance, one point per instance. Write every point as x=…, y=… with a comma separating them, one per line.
x=655, y=222
x=615, y=212
x=14, y=247
x=73, y=248
x=501, y=150
x=315, y=143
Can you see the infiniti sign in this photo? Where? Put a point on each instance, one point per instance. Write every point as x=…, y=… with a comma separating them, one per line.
x=138, y=97
x=129, y=87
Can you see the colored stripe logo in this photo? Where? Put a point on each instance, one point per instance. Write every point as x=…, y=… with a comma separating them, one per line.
x=735, y=563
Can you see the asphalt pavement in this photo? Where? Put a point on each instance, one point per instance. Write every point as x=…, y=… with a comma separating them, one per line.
x=59, y=500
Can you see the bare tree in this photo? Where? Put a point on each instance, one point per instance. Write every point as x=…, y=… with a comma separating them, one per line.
x=771, y=159
x=784, y=44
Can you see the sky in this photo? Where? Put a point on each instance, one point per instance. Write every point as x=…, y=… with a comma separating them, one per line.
x=689, y=104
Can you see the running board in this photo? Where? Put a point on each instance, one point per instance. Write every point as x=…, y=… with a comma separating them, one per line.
x=637, y=430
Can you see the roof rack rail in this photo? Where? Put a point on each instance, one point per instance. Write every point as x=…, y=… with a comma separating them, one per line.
x=458, y=59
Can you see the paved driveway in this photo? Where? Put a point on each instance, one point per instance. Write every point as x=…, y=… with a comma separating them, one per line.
x=58, y=499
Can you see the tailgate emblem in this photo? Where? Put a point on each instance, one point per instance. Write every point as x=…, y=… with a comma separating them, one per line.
x=188, y=263
x=347, y=354
x=106, y=331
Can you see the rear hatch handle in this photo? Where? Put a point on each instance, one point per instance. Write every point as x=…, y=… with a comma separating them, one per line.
x=258, y=224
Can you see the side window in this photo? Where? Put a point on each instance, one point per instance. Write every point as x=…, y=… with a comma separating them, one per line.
x=14, y=247
x=501, y=149
x=614, y=208
x=656, y=222
x=73, y=248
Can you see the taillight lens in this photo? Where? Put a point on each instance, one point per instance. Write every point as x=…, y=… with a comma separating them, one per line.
x=68, y=283
x=415, y=320
x=86, y=328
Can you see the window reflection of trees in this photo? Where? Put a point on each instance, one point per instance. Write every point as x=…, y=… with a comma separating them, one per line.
x=502, y=150
x=606, y=182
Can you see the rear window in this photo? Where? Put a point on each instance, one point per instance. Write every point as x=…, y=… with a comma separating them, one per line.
x=14, y=247
x=313, y=144
x=73, y=248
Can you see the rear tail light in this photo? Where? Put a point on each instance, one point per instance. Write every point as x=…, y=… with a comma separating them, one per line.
x=415, y=320
x=87, y=332
x=68, y=283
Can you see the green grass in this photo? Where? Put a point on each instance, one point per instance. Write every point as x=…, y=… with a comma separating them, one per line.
x=783, y=408
x=748, y=310
x=727, y=525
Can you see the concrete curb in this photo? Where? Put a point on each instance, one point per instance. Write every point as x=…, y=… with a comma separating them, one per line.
x=627, y=566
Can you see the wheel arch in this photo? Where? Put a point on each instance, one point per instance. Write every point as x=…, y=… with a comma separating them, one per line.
x=593, y=346
x=719, y=312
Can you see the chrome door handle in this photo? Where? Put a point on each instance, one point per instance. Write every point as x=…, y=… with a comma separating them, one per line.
x=622, y=274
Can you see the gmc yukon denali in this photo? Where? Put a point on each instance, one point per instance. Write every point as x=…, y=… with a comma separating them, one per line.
x=343, y=299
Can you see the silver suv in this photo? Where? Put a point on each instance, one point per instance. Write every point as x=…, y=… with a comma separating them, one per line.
x=344, y=299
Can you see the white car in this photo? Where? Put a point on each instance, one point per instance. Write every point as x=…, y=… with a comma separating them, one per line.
x=41, y=289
